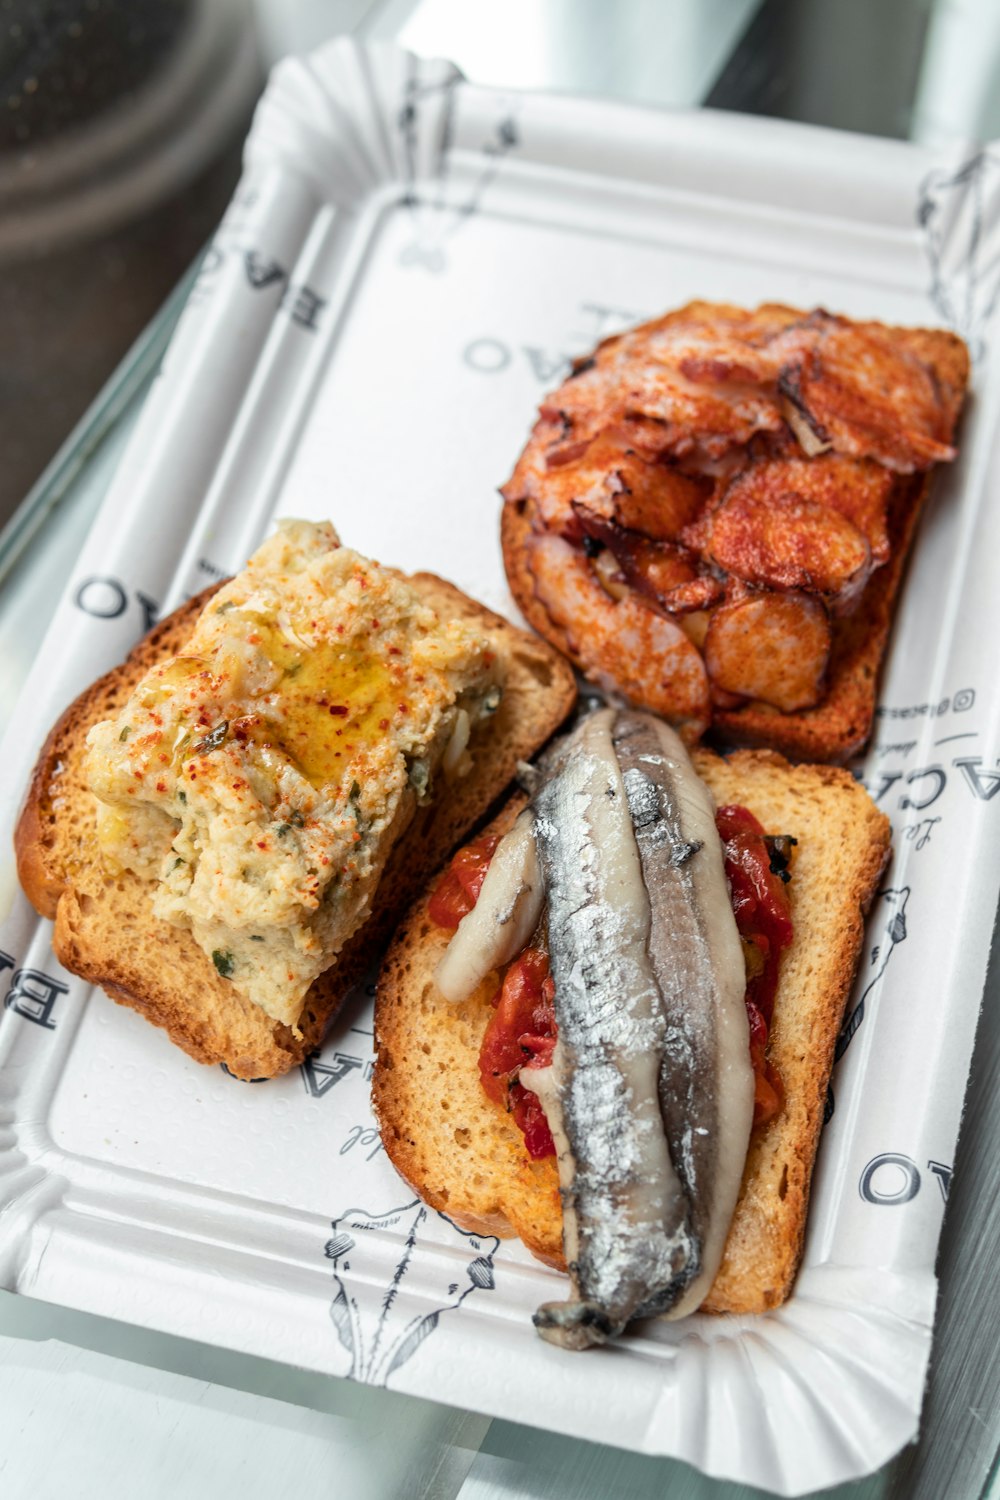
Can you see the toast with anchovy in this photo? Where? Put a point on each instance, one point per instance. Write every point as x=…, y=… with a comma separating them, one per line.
x=104, y=927
x=465, y=1156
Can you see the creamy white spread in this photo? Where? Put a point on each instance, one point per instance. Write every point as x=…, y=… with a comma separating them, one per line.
x=261, y=779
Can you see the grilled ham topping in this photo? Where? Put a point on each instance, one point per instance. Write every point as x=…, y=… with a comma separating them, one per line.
x=709, y=493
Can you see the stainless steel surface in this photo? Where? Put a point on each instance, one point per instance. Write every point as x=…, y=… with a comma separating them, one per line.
x=102, y=209
x=853, y=65
x=960, y=1442
x=662, y=52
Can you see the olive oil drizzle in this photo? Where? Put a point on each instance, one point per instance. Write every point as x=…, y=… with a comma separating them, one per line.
x=333, y=700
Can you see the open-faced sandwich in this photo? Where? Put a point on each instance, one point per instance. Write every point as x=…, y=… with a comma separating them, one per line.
x=609, y=1027
x=713, y=511
x=224, y=827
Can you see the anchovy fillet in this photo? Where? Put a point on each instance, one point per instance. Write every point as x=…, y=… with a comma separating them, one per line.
x=706, y=1079
x=625, y=1214
x=650, y=1092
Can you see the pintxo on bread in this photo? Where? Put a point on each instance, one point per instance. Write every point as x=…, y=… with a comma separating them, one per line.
x=670, y=1168
x=224, y=827
x=712, y=514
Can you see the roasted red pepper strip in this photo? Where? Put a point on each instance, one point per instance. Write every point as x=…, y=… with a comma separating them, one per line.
x=523, y=1029
x=760, y=905
x=457, y=892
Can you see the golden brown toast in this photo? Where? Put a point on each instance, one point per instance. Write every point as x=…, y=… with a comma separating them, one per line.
x=104, y=928
x=840, y=722
x=465, y=1156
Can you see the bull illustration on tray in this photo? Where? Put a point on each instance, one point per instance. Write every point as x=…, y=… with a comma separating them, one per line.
x=395, y=1274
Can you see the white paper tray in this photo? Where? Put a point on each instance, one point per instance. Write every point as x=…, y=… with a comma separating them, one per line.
x=406, y=266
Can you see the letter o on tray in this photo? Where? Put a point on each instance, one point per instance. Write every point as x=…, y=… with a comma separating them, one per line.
x=890, y=1178
x=103, y=597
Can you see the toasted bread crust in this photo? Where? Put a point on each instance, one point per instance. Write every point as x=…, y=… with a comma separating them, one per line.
x=841, y=722
x=463, y=1155
x=104, y=929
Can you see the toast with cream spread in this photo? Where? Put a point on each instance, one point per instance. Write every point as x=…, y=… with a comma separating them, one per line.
x=468, y=1155
x=225, y=827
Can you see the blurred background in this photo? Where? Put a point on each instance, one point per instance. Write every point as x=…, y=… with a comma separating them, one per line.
x=121, y=123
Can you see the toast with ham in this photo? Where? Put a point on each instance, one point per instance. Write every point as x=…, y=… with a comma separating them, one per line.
x=713, y=512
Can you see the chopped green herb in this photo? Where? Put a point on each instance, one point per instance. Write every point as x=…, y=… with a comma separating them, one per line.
x=125, y=732
x=213, y=739
x=295, y=820
x=256, y=938
x=225, y=607
x=420, y=776
x=182, y=795
x=178, y=861
x=223, y=961
x=353, y=799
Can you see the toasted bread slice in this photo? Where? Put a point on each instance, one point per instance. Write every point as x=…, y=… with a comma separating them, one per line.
x=465, y=1156
x=104, y=928
x=840, y=723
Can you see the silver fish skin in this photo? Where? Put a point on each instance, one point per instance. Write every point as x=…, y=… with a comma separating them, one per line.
x=626, y=1215
x=706, y=1084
